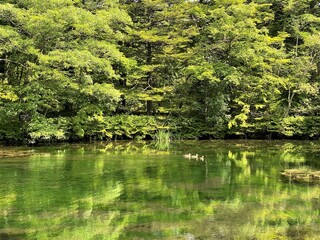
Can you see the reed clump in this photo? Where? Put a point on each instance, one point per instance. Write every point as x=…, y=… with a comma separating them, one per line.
x=163, y=139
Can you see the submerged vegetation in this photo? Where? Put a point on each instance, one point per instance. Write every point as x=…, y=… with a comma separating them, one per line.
x=110, y=69
x=125, y=190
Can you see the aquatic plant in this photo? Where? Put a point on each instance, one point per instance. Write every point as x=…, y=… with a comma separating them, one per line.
x=162, y=139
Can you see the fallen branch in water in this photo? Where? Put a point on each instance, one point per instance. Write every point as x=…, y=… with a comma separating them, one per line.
x=10, y=153
x=302, y=175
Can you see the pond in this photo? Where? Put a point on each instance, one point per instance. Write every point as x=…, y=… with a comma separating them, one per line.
x=127, y=190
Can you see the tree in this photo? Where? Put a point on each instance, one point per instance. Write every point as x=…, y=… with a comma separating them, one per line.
x=159, y=42
x=61, y=59
x=236, y=63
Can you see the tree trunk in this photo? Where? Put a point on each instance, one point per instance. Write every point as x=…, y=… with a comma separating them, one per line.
x=290, y=99
x=149, y=107
x=149, y=78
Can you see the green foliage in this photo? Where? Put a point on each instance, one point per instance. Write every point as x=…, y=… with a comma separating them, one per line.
x=93, y=125
x=301, y=126
x=10, y=126
x=201, y=68
x=159, y=44
x=49, y=129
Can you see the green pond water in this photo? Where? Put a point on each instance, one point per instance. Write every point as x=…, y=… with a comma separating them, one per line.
x=127, y=190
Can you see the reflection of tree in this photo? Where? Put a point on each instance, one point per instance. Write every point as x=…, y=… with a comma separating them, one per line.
x=62, y=198
x=269, y=208
x=128, y=191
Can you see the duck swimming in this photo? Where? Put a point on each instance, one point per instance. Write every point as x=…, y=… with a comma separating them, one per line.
x=195, y=156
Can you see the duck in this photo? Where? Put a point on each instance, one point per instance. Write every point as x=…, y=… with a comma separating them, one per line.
x=187, y=155
x=195, y=156
x=201, y=158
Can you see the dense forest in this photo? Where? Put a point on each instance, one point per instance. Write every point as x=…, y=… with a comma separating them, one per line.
x=106, y=69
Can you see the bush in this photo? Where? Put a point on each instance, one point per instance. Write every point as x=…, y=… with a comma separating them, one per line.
x=301, y=126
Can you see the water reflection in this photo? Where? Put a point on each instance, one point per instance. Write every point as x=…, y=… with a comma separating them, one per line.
x=132, y=191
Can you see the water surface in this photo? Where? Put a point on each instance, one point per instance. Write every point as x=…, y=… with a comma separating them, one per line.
x=127, y=190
